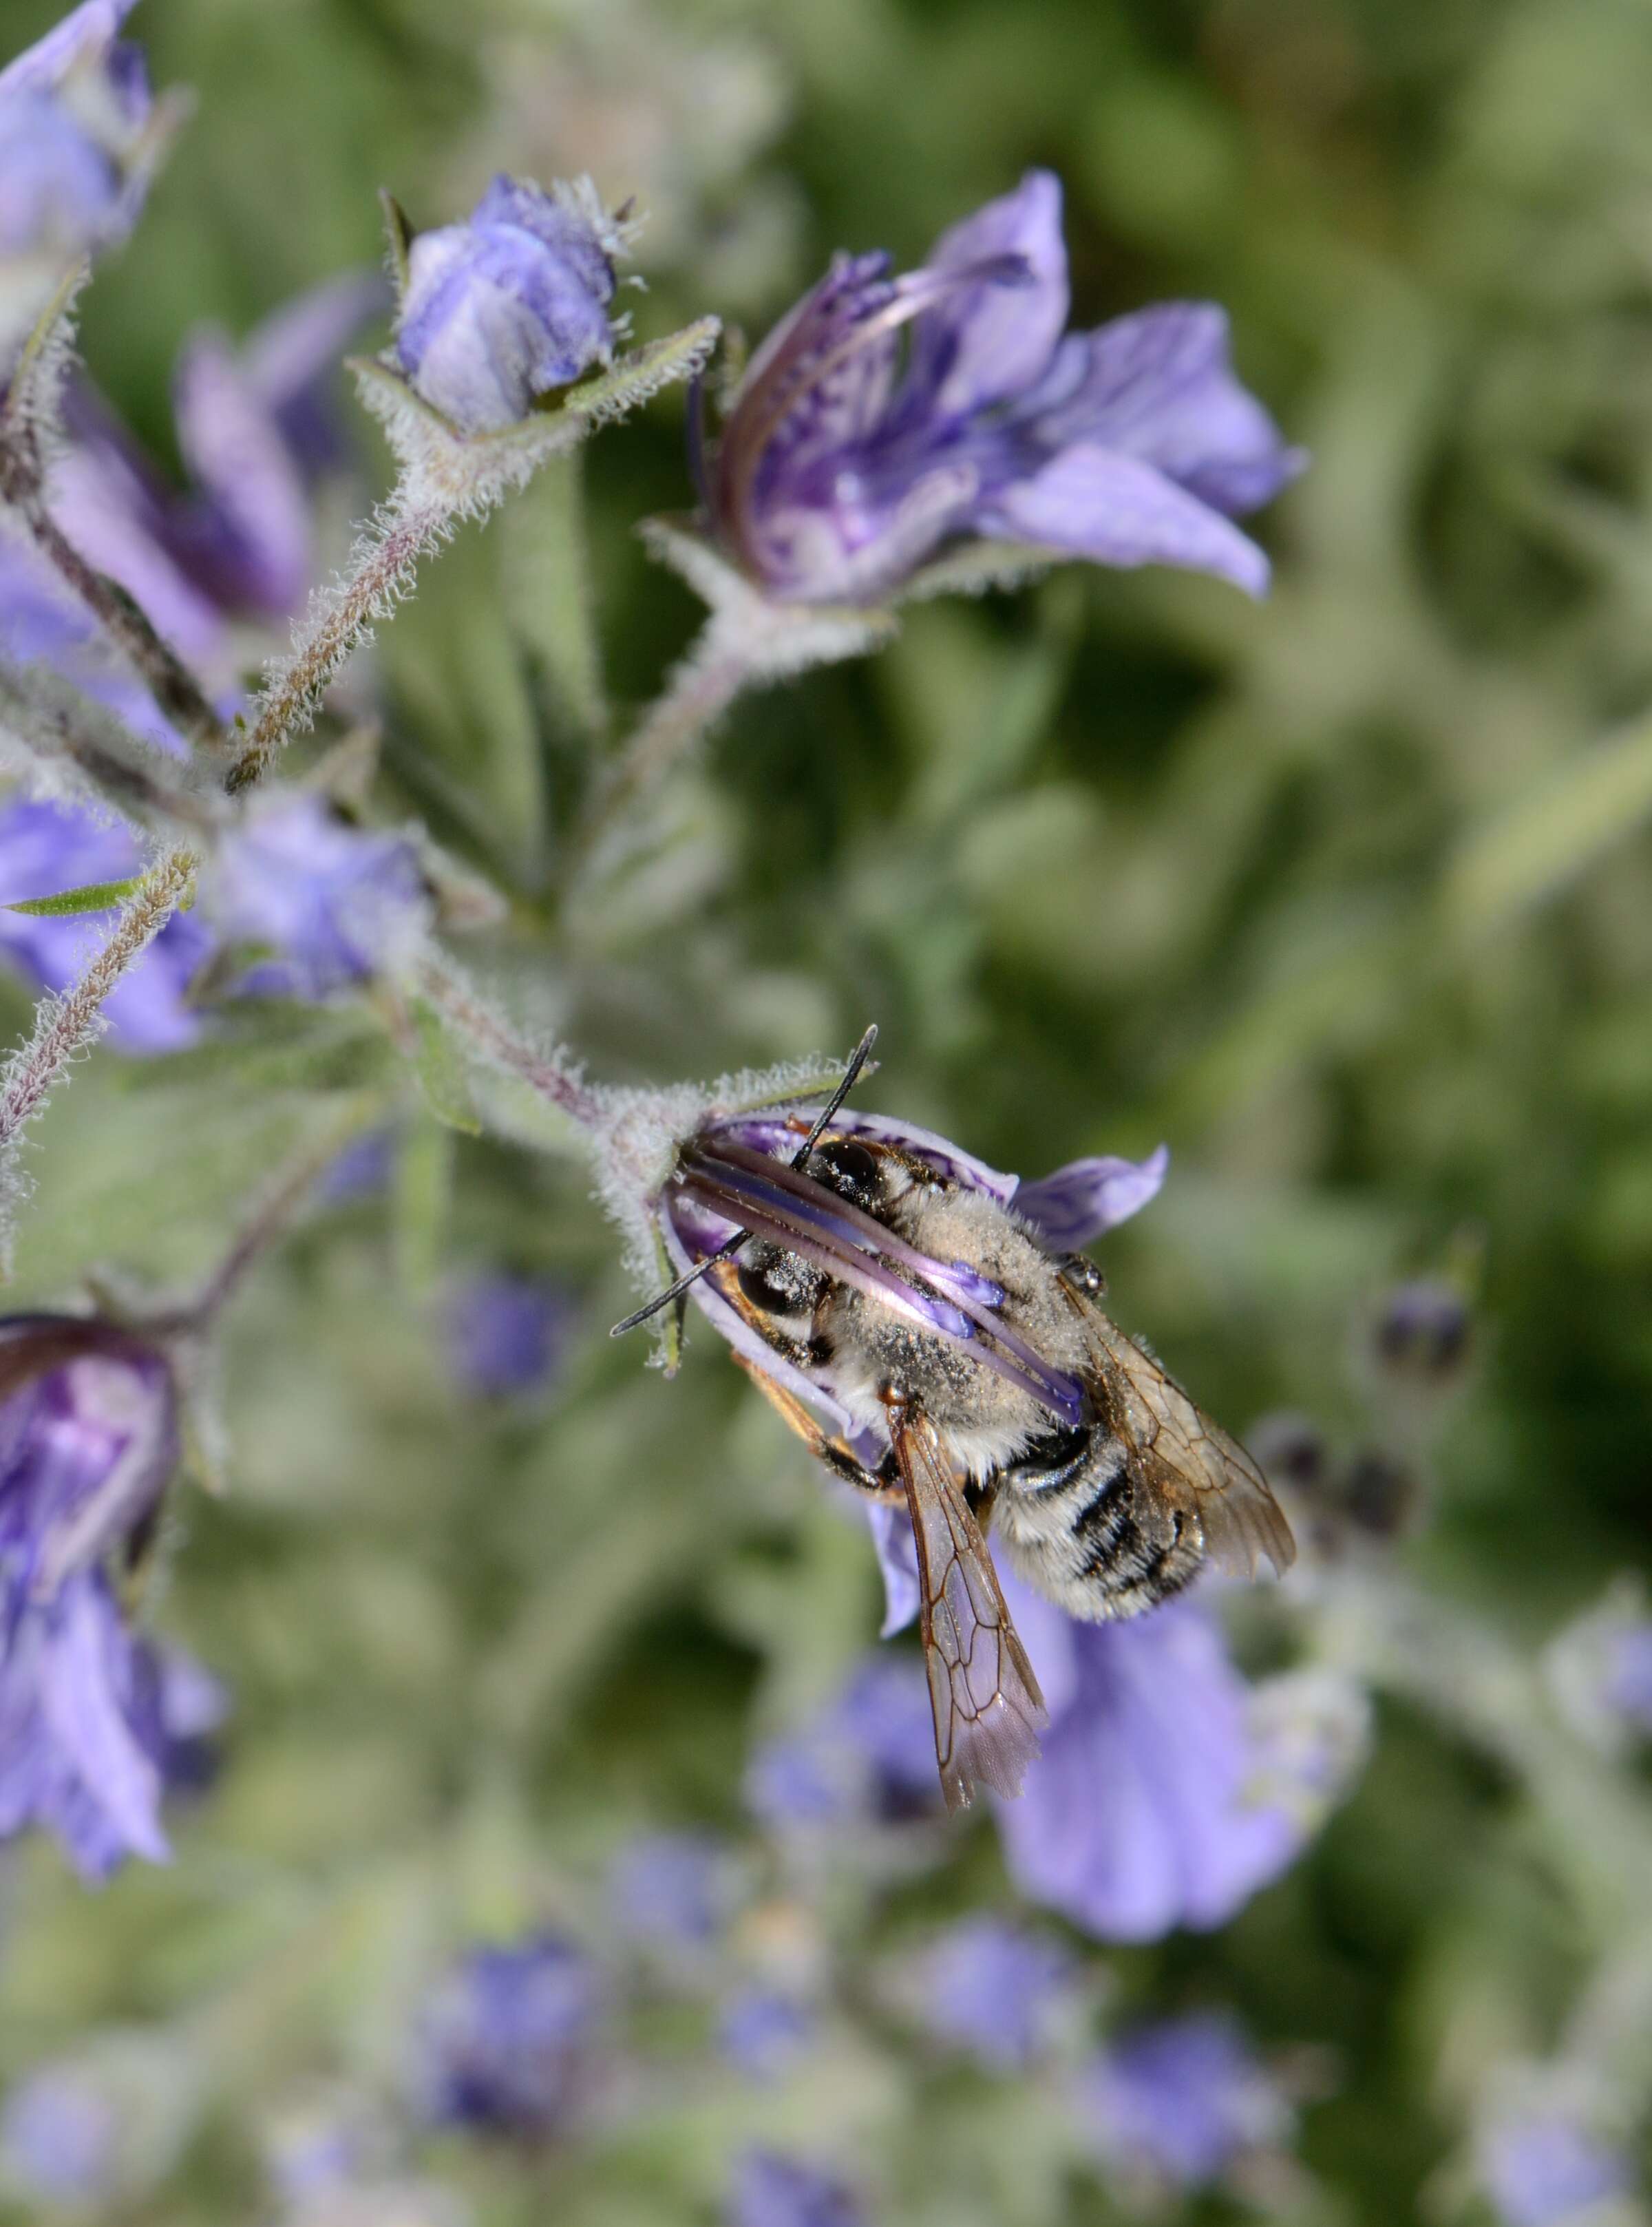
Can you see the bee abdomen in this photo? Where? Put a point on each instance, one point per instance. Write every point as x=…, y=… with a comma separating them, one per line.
x=1085, y=1539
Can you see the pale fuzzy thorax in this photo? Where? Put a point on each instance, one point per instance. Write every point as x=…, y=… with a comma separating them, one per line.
x=987, y=1422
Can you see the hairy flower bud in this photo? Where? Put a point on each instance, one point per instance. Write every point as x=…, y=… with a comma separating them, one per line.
x=509, y=305
x=74, y=114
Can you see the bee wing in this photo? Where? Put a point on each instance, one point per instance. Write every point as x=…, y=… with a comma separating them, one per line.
x=1179, y=1453
x=988, y=1709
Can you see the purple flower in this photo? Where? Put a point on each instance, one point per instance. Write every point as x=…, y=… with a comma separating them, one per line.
x=513, y=302
x=334, y=905
x=1628, y=1681
x=1543, y=2169
x=361, y=1171
x=88, y=1441
x=255, y=431
x=1181, y=2100
x=995, y=1991
x=507, y=2045
x=764, y=2033
x=506, y=1336
x=773, y=2190
x=839, y=472
x=60, y=2137
x=75, y=113
x=1159, y=1800
x=867, y=1757
x=669, y=1892
x=45, y=848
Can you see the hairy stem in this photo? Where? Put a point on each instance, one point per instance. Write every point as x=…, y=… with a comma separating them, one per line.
x=548, y=1073
x=698, y=692
x=66, y=1024
x=178, y=695
x=339, y=620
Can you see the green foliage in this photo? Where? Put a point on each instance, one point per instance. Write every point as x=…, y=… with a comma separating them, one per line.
x=1349, y=896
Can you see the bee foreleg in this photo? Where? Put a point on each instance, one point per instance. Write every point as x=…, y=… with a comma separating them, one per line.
x=832, y=1453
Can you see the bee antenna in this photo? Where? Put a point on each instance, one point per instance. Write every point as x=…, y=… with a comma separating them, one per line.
x=851, y=1076
x=858, y=1059
x=675, y=1290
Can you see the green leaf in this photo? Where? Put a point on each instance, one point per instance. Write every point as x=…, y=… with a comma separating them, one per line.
x=1551, y=835
x=442, y=1075
x=91, y=896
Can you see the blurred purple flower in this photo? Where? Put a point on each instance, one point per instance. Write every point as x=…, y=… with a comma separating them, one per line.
x=994, y=1990
x=1543, y=2169
x=333, y=904
x=670, y=1891
x=1181, y=2100
x=763, y=2032
x=255, y=430
x=839, y=474
x=88, y=1441
x=1422, y=1331
x=60, y=2138
x=500, y=310
x=868, y=1757
x=773, y=2190
x=506, y=1335
x=1156, y=1803
x=74, y=111
x=361, y=1171
x=507, y=2043
x=45, y=848
x=1628, y=1680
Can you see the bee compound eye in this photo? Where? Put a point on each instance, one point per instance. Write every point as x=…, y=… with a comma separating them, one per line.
x=777, y=1283
x=849, y=1168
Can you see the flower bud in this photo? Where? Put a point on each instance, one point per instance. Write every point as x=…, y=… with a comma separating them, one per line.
x=1423, y=1333
x=74, y=115
x=509, y=305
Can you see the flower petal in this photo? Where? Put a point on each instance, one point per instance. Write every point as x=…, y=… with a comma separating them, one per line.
x=1080, y=1201
x=987, y=343
x=1115, y=510
x=87, y=1682
x=1141, y=1814
x=897, y=1558
x=1159, y=387
x=84, y=32
x=255, y=504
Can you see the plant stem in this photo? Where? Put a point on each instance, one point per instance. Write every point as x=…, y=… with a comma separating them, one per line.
x=178, y=695
x=698, y=692
x=339, y=620
x=66, y=1024
x=267, y=1221
x=548, y=1073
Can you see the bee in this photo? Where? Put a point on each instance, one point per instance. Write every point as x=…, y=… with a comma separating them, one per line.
x=980, y=1383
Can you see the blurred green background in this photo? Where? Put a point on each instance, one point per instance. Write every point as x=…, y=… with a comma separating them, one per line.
x=1348, y=897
